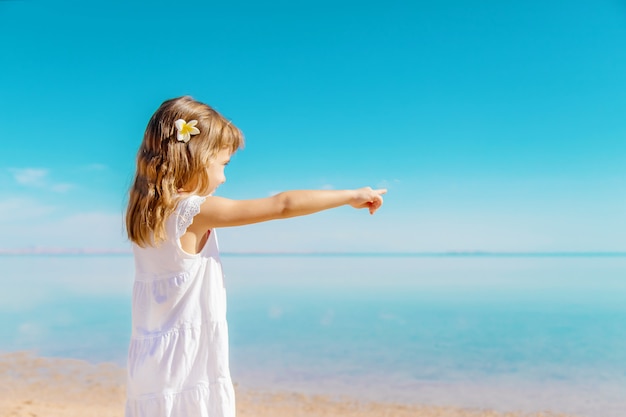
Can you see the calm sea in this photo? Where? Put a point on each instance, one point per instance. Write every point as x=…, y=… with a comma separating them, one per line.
x=505, y=332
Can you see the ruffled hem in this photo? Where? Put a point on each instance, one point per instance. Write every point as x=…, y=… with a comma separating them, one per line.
x=184, y=355
x=205, y=400
x=160, y=289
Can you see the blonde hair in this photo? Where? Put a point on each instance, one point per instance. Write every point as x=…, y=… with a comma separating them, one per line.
x=166, y=165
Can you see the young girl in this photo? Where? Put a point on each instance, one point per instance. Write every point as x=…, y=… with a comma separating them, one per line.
x=178, y=355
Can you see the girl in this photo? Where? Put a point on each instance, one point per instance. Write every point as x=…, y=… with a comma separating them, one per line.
x=178, y=354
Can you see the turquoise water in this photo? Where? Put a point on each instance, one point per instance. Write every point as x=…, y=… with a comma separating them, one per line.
x=511, y=333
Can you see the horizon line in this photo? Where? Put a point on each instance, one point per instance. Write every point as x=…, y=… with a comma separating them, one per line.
x=450, y=253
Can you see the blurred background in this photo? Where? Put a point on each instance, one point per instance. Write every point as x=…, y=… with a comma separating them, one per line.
x=492, y=277
x=495, y=126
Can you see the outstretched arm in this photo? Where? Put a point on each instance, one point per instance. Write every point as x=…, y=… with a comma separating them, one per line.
x=223, y=212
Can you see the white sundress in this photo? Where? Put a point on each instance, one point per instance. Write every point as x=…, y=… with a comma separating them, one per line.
x=178, y=355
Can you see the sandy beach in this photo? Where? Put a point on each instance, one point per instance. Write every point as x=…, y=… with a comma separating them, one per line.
x=33, y=386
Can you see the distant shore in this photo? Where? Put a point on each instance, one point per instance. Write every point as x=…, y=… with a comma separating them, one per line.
x=36, y=386
x=45, y=251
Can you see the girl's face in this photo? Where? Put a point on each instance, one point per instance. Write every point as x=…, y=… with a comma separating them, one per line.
x=216, y=169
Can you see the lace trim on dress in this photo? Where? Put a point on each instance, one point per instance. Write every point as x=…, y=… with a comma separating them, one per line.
x=187, y=210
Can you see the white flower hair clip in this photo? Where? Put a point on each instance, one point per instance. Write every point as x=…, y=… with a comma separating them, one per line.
x=186, y=130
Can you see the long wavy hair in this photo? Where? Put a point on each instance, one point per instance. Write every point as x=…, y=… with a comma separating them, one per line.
x=166, y=165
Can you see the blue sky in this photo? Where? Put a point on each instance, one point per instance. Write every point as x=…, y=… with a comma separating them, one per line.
x=496, y=126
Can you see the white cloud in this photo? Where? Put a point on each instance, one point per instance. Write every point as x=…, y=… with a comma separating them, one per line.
x=28, y=223
x=428, y=230
x=39, y=177
x=62, y=187
x=16, y=209
x=30, y=176
x=94, y=230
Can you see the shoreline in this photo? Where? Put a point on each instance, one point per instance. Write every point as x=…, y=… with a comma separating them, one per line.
x=42, y=386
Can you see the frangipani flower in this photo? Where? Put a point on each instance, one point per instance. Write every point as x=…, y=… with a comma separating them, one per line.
x=186, y=130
